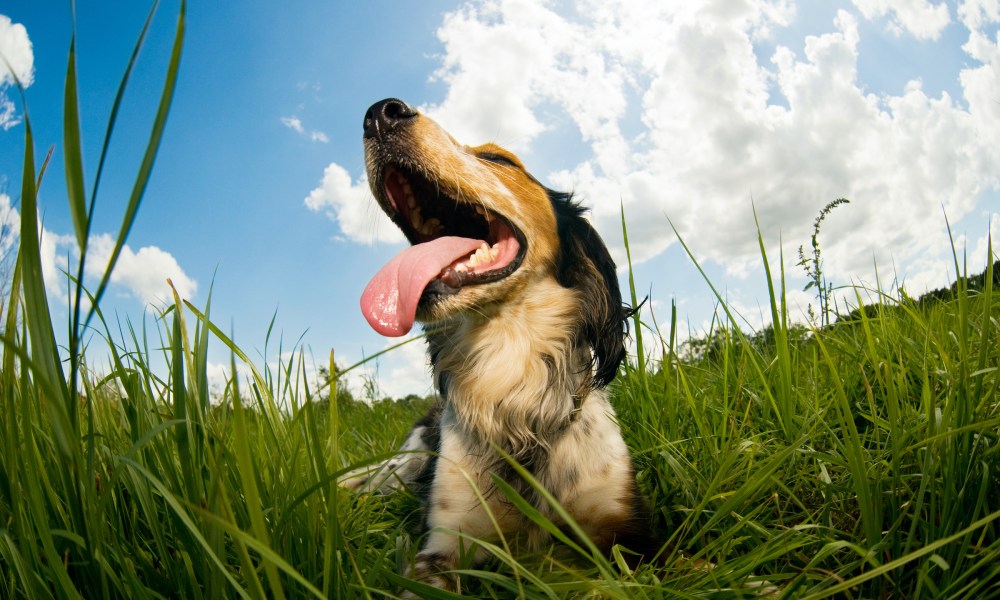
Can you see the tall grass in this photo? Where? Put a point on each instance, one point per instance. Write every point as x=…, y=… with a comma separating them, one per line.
x=889, y=486
x=856, y=460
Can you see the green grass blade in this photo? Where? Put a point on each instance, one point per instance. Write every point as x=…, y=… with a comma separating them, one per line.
x=115, y=106
x=149, y=157
x=248, y=477
x=36, y=305
x=177, y=506
x=637, y=323
x=779, y=325
x=72, y=153
x=903, y=560
x=855, y=454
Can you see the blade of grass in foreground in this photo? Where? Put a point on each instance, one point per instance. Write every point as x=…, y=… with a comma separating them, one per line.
x=785, y=405
x=903, y=560
x=149, y=157
x=44, y=350
x=755, y=360
x=855, y=453
x=72, y=154
x=636, y=320
x=247, y=471
x=332, y=538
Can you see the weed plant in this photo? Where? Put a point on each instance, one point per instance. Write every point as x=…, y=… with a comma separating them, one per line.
x=859, y=460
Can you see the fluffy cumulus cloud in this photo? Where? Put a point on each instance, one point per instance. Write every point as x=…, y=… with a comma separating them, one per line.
x=351, y=205
x=10, y=226
x=920, y=18
x=17, y=63
x=680, y=114
x=407, y=371
x=722, y=124
x=142, y=274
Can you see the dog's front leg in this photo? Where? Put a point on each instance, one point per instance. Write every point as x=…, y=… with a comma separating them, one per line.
x=459, y=503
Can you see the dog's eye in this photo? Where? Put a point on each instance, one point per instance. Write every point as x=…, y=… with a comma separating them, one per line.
x=498, y=159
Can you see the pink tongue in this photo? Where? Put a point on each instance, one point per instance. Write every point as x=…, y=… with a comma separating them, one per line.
x=389, y=302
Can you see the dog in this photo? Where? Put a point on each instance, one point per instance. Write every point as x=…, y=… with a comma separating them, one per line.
x=525, y=328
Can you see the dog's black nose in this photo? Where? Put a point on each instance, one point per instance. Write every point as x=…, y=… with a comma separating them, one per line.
x=385, y=115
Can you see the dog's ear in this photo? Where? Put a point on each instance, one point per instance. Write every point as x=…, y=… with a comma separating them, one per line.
x=586, y=265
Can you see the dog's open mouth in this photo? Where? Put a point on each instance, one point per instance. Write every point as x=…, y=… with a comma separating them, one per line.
x=454, y=245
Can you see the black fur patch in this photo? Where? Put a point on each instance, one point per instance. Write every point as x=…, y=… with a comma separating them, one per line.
x=431, y=438
x=586, y=265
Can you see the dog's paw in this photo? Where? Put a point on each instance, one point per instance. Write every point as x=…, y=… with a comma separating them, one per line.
x=381, y=478
x=356, y=480
x=431, y=568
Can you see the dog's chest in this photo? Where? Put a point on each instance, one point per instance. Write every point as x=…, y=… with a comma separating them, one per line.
x=577, y=455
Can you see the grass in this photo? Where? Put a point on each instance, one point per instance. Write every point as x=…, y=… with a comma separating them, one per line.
x=859, y=460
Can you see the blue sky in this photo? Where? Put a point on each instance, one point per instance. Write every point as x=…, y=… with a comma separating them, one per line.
x=696, y=113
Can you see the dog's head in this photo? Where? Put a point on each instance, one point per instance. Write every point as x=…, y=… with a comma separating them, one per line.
x=482, y=229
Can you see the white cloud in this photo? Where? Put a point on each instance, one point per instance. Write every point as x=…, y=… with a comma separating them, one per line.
x=352, y=207
x=713, y=125
x=10, y=226
x=406, y=370
x=675, y=111
x=919, y=18
x=16, y=60
x=55, y=253
x=977, y=258
x=295, y=124
x=975, y=14
x=144, y=273
x=141, y=274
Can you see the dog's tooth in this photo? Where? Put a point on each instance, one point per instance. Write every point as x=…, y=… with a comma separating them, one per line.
x=433, y=225
x=483, y=254
x=461, y=268
x=473, y=260
x=416, y=219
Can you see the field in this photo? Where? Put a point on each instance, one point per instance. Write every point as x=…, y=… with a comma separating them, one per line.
x=857, y=459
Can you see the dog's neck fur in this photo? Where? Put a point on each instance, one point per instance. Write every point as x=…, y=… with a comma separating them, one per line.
x=516, y=378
